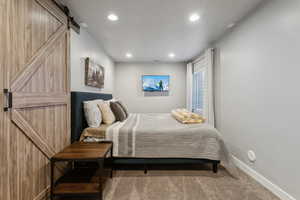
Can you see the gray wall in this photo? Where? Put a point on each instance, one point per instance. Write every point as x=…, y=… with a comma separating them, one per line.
x=258, y=95
x=128, y=86
x=82, y=46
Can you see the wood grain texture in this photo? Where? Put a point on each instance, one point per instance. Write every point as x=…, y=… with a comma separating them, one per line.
x=43, y=195
x=4, y=139
x=77, y=188
x=34, y=58
x=84, y=151
x=54, y=10
x=35, y=63
x=26, y=128
x=30, y=28
x=46, y=74
x=27, y=100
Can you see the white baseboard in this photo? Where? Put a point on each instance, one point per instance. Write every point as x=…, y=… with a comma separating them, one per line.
x=262, y=180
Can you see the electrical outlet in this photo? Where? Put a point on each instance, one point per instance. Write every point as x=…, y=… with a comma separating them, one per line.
x=251, y=156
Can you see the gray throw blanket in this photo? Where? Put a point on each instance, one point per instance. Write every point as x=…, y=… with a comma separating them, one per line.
x=161, y=136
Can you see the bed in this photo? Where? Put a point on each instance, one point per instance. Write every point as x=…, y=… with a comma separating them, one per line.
x=144, y=139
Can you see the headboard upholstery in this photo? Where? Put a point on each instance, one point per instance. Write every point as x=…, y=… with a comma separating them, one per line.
x=78, y=122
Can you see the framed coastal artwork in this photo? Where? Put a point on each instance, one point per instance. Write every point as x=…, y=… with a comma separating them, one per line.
x=94, y=74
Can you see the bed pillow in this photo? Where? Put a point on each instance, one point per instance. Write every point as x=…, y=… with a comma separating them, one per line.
x=123, y=107
x=118, y=111
x=92, y=113
x=108, y=116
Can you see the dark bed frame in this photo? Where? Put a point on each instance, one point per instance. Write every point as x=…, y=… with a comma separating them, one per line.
x=78, y=124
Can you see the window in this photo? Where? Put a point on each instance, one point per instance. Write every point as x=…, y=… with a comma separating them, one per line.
x=199, y=96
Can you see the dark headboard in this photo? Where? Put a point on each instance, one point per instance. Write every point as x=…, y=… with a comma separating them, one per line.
x=78, y=122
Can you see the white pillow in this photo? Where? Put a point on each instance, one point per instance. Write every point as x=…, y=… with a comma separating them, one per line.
x=108, y=116
x=92, y=113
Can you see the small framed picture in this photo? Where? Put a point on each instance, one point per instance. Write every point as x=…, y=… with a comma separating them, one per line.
x=94, y=74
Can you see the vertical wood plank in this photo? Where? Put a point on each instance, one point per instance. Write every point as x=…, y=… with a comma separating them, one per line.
x=4, y=178
x=68, y=89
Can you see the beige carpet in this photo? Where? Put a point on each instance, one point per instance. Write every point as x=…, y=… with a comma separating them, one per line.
x=184, y=185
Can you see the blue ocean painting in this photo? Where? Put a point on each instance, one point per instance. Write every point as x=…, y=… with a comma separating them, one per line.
x=152, y=83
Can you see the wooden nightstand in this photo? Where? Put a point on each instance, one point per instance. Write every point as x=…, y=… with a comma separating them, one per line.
x=83, y=185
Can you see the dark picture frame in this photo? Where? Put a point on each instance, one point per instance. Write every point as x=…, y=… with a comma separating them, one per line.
x=94, y=74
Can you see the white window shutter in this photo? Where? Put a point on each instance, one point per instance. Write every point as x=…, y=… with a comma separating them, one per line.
x=203, y=102
x=189, y=86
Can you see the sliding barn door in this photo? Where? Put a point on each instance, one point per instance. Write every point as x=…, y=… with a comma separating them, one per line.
x=35, y=69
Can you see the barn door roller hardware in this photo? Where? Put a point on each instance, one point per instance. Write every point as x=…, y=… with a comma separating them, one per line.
x=8, y=99
x=71, y=21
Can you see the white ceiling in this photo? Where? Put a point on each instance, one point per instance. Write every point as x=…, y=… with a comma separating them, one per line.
x=151, y=29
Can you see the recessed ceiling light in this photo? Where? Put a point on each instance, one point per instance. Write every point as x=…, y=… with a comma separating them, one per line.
x=113, y=17
x=171, y=55
x=194, y=17
x=231, y=25
x=128, y=55
x=83, y=25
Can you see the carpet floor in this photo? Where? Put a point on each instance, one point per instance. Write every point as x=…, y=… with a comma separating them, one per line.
x=183, y=185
